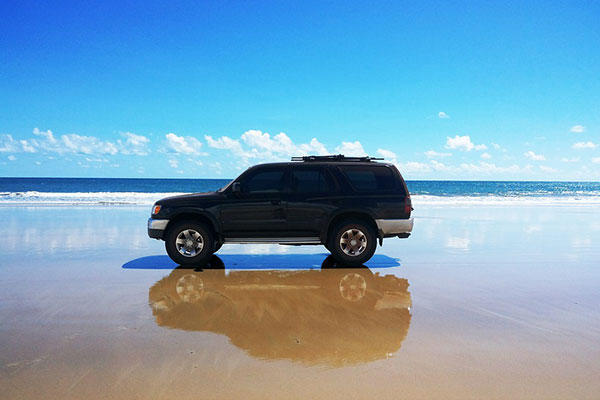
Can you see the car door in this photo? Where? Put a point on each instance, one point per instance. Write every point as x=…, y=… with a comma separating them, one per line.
x=308, y=200
x=258, y=210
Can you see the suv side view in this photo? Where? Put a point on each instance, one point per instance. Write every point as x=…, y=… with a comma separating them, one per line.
x=347, y=204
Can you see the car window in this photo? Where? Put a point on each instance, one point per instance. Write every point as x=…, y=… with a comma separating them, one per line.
x=266, y=181
x=369, y=178
x=310, y=180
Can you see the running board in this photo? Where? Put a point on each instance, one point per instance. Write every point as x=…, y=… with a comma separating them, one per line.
x=294, y=240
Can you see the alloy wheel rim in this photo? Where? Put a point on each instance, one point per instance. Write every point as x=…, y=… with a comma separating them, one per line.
x=189, y=243
x=353, y=242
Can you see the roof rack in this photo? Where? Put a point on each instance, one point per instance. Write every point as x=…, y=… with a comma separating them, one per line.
x=335, y=157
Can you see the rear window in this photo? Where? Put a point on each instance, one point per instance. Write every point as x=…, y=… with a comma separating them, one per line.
x=365, y=179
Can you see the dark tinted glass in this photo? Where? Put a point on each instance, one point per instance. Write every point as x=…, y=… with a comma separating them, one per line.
x=370, y=178
x=269, y=181
x=306, y=180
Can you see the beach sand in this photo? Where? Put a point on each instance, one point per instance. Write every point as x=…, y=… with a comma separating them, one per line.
x=494, y=302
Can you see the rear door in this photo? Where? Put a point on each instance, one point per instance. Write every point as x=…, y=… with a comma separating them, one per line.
x=308, y=204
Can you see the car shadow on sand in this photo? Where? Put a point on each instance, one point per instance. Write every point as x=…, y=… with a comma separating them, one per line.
x=259, y=261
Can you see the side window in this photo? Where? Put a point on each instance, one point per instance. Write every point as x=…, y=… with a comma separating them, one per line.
x=310, y=180
x=264, y=181
x=365, y=179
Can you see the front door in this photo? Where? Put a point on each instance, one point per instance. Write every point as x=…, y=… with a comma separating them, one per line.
x=258, y=210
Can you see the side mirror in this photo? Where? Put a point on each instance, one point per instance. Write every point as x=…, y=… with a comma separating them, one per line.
x=236, y=188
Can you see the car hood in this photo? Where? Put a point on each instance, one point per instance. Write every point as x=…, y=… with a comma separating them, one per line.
x=193, y=198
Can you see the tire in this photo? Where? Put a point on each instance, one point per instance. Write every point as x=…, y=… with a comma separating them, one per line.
x=360, y=251
x=218, y=245
x=190, y=243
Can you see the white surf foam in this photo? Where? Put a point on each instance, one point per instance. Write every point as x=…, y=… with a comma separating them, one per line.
x=140, y=198
x=82, y=198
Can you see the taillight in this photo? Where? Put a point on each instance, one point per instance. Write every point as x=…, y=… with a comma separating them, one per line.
x=407, y=205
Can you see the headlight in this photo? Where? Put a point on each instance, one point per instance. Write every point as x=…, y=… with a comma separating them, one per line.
x=155, y=209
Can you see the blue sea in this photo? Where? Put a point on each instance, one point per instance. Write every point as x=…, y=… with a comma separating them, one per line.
x=32, y=191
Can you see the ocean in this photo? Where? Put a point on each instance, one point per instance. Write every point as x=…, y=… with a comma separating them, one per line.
x=133, y=191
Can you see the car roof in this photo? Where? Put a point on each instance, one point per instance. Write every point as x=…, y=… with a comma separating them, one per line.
x=321, y=163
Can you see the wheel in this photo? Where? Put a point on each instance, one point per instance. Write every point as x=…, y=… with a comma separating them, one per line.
x=190, y=243
x=352, y=243
x=218, y=245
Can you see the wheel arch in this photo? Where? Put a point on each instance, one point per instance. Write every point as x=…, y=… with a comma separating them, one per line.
x=348, y=215
x=193, y=216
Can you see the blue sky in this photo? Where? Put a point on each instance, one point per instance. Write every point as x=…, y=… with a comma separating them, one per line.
x=447, y=90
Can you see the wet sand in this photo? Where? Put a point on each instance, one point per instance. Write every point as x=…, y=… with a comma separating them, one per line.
x=483, y=302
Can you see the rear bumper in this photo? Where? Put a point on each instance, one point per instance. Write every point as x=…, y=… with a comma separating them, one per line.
x=395, y=227
x=156, y=228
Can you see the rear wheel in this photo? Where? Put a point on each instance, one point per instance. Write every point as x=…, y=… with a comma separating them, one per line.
x=352, y=243
x=190, y=243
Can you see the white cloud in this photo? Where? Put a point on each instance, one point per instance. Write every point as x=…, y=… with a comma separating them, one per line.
x=27, y=147
x=435, y=154
x=352, y=149
x=496, y=146
x=314, y=147
x=443, y=115
x=261, y=145
x=78, y=144
x=584, y=145
x=134, y=144
x=535, y=157
x=45, y=134
x=197, y=162
x=387, y=154
x=12, y=158
x=596, y=160
x=565, y=159
x=486, y=156
x=281, y=144
x=577, y=129
x=463, y=143
x=226, y=143
x=438, y=166
x=410, y=167
x=545, y=168
x=8, y=144
x=174, y=163
x=217, y=168
x=183, y=145
x=71, y=143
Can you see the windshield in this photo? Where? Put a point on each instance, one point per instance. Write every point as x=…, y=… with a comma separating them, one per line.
x=224, y=188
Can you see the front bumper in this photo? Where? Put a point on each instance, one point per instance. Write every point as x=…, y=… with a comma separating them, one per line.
x=395, y=227
x=156, y=228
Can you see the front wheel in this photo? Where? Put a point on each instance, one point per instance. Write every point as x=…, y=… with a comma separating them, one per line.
x=190, y=243
x=352, y=243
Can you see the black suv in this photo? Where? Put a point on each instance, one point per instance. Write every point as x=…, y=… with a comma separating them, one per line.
x=346, y=204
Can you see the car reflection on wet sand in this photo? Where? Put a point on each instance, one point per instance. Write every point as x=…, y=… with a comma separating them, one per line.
x=333, y=316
